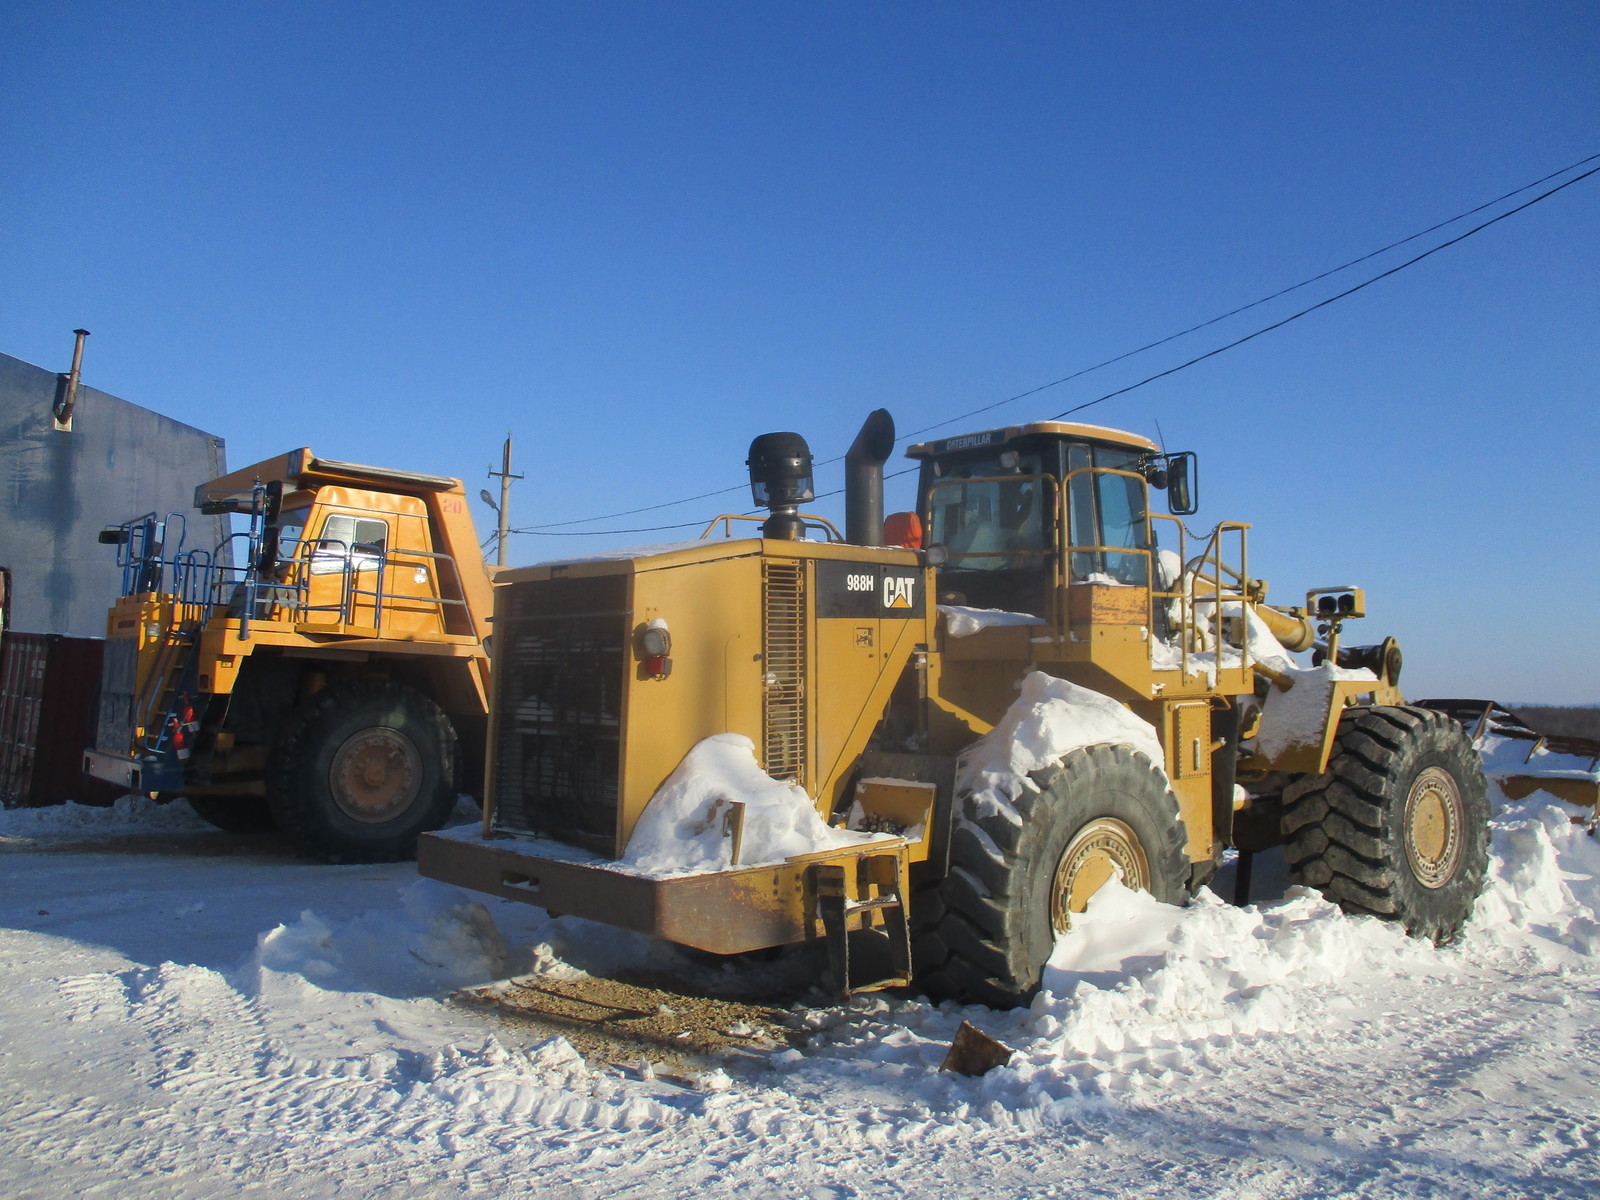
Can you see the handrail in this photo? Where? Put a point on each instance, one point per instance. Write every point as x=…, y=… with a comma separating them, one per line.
x=811, y=520
x=1192, y=589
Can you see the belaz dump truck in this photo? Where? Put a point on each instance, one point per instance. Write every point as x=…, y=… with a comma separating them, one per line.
x=868, y=670
x=324, y=669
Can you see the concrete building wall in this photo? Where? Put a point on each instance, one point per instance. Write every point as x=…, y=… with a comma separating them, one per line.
x=58, y=490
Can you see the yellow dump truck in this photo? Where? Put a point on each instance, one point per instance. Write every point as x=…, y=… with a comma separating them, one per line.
x=866, y=668
x=323, y=670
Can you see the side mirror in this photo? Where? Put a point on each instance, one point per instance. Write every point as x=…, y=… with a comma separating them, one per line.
x=1182, y=484
x=116, y=535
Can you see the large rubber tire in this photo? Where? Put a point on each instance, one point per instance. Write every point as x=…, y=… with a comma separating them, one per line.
x=1398, y=825
x=234, y=814
x=987, y=929
x=360, y=770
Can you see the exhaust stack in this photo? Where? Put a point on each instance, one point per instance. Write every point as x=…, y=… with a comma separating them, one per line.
x=67, y=387
x=863, y=479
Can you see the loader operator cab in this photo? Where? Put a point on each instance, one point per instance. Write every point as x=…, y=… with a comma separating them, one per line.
x=1018, y=512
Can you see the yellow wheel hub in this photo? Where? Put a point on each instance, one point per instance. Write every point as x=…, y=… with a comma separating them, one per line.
x=375, y=775
x=1096, y=853
x=1435, y=817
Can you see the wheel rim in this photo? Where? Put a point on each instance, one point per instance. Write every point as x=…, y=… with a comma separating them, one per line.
x=1435, y=817
x=375, y=775
x=1093, y=856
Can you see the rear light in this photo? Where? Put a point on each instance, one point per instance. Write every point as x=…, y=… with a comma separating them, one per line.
x=181, y=727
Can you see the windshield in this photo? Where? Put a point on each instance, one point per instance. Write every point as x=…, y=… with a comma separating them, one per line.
x=349, y=541
x=988, y=511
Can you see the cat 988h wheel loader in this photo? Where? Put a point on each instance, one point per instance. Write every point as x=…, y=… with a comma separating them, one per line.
x=863, y=669
x=323, y=670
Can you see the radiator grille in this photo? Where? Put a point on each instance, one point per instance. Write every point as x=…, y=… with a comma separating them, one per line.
x=783, y=654
x=560, y=677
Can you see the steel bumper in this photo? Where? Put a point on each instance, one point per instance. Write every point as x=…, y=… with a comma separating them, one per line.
x=724, y=912
x=115, y=768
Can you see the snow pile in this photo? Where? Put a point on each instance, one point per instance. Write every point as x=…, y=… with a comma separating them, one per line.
x=436, y=940
x=1144, y=999
x=1297, y=717
x=1263, y=645
x=129, y=815
x=1503, y=756
x=961, y=622
x=1049, y=720
x=1544, y=881
x=686, y=827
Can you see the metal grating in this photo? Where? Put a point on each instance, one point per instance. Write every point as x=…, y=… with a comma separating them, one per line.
x=118, y=681
x=783, y=656
x=559, y=663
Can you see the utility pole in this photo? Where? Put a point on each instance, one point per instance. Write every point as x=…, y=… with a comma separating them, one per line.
x=505, y=476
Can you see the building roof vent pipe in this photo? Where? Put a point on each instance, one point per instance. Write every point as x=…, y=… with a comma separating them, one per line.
x=863, y=479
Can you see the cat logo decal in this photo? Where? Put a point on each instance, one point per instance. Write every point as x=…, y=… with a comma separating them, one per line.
x=899, y=591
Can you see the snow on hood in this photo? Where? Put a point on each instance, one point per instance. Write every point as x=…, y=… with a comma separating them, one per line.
x=680, y=831
x=1049, y=720
x=1298, y=716
x=960, y=621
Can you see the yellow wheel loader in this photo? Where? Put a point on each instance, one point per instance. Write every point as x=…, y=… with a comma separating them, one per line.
x=322, y=671
x=874, y=670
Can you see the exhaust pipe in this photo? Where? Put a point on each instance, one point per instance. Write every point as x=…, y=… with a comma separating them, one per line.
x=67, y=387
x=863, y=479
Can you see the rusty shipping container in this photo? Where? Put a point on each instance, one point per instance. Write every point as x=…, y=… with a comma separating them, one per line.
x=48, y=687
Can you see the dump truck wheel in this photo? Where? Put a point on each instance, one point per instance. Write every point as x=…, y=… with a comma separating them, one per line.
x=1398, y=825
x=360, y=770
x=234, y=814
x=1014, y=886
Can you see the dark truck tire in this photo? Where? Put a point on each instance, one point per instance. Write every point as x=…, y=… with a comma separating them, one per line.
x=986, y=931
x=1398, y=825
x=360, y=770
x=234, y=814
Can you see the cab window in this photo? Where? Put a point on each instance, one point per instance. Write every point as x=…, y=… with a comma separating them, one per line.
x=359, y=542
x=1108, y=512
x=989, y=512
x=291, y=528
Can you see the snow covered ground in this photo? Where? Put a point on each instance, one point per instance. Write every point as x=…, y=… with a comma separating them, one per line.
x=187, y=1014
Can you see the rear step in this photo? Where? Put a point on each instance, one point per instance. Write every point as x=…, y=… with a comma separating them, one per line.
x=835, y=908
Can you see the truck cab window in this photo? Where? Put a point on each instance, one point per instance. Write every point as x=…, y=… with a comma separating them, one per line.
x=994, y=514
x=1109, y=512
x=989, y=513
x=356, y=542
x=291, y=528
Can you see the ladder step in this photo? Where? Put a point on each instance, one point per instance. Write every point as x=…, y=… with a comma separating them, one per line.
x=877, y=902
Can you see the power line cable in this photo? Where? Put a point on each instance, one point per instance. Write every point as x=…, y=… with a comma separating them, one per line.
x=1257, y=303
x=560, y=528
x=1324, y=303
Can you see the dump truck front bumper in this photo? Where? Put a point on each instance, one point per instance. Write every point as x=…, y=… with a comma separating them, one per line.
x=135, y=774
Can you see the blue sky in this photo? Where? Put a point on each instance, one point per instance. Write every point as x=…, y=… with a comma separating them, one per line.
x=637, y=235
